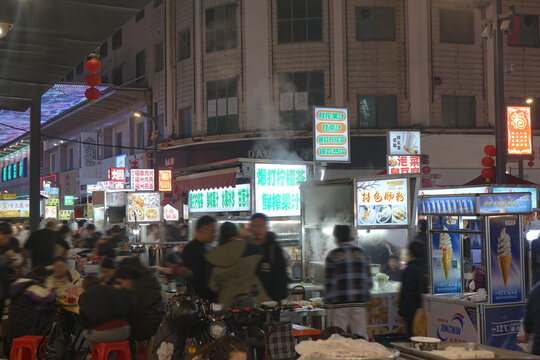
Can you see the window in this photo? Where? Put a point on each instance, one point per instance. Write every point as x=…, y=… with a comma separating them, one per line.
x=4, y=175
x=375, y=24
x=53, y=163
x=117, y=75
x=119, y=150
x=222, y=107
x=184, y=123
x=157, y=3
x=457, y=26
x=70, y=159
x=21, y=169
x=14, y=169
x=221, y=28
x=377, y=111
x=299, y=20
x=103, y=50
x=298, y=92
x=158, y=57
x=80, y=69
x=139, y=16
x=184, y=47
x=458, y=112
x=140, y=135
x=525, y=31
x=140, y=66
x=69, y=76
x=117, y=40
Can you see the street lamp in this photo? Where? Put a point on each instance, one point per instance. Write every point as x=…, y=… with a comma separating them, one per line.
x=155, y=137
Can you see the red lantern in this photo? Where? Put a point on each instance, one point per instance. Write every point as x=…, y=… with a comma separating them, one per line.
x=93, y=65
x=490, y=150
x=426, y=170
x=488, y=173
x=134, y=164
x=92, y=94
x=488, y=162
x=93, y=79
x=531, y=158
x=531, y=163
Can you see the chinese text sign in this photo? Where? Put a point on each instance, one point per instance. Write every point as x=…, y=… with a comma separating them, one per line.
x=277, y=189
x=331, y=135
x=382, y=202
x=165, y=180
x=404, y=164
x=518, y=119
x=221, y=199
x=142, y=179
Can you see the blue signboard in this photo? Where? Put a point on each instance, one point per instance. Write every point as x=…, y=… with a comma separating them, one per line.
x=505, y=257
x=502, y=326
x=491, y=204
x=451, y=205
x=519, y=190
x=446, y=263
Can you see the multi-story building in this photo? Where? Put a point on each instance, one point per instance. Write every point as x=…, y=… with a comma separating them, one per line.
x=231, y=79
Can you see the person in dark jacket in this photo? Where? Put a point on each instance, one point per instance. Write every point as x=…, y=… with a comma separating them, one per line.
x=272, y=269
x=104, y=312
x=42, y=245
x=148, y=307
x=531, y=320
x=348, y=281
x=414, y=284
x=8, y=249
x=31, y=311
x=193, y=257
x=393, y=268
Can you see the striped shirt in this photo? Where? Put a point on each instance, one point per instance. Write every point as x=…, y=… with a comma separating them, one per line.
x=348, y=276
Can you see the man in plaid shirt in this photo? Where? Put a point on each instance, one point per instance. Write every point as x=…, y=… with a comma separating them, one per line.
x=348, y=281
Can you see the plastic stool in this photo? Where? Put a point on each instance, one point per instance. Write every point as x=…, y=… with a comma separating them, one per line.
x=25, y=347
x=304, y=331
x=101, y=351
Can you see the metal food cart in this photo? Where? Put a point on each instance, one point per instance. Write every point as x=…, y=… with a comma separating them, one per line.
x=483, y=232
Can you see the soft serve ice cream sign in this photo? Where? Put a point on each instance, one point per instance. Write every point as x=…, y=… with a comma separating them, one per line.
x=505, y=259
x=445, y=260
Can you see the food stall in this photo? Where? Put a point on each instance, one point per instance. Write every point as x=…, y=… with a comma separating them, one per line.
x=479, y=234
x=143, y=210
x=269, y=187
x=381, y=209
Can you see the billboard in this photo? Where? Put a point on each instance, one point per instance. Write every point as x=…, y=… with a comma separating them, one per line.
x=518, y=120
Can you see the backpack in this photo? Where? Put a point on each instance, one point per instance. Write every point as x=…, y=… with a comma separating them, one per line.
x=57, y=345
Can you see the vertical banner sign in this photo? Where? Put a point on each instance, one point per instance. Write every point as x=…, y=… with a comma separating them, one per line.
x=502, y=326
x=518, y=119
x=277, y=189
x=89, y=151
x=505, y=259
x=165, y=180
x=331, y=135
x=446, y=258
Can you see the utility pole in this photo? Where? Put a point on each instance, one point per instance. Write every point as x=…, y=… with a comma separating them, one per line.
x=501, y=132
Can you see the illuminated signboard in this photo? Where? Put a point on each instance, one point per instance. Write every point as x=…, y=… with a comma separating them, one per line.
x=14, y=208
x=117, y=174
x=513, y=203
x=69, y=200
x=382, y=202
x=8, y=196
x=455, y=191
x=448, y=205
x=91, y=188
x=65, y=214
x=518, y=119
x=331, y=135
x=404, y=143
x=404, y=164
x=165, y=180
x=143, y=207
x=533, y=191
x=170, y=213
x=53, y=202
x=142, y=179
x=277, y=189
x=109, y=185
x=221, y=199
x=51, y=212
x=49, y=181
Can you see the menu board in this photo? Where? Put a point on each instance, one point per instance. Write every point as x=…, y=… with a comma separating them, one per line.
x=505, y=204
x=382, y=202
x=331, y=135
x=447, y=205
x=116, y=198
x=221, y=199
x=142, y=179
x=143, y=207
x=14, y=208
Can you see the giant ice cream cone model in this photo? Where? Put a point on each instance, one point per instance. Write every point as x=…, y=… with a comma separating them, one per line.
x=504, y=252
x=445, y=244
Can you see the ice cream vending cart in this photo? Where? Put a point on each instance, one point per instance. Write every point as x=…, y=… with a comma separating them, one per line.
x=477, y=266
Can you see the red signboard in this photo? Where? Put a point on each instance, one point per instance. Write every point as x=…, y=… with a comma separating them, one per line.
x=518, y=119
x=117, y=174
x=406, y=164
x=165, y=180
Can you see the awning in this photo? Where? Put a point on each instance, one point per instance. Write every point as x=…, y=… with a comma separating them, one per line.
x=207, y=180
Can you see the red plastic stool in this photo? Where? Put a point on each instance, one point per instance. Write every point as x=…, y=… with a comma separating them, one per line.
x=101, y=351
x=304, y=331
x=25, y=347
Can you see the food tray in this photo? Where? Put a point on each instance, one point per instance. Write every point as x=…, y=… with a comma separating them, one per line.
x=391, y=357
x=408, y=348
